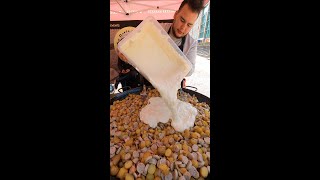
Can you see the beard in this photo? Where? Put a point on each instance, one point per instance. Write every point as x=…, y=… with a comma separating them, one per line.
x=174, y=32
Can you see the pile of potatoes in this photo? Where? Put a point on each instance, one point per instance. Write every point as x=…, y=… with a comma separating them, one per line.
x=140, y=152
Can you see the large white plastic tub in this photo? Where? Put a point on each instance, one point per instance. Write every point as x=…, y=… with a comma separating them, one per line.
x=154, y=54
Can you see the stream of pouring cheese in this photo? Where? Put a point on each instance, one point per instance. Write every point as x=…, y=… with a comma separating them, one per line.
x=163, y=68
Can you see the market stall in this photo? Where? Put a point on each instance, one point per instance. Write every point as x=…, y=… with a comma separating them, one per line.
x=138, y=151
x=124, y=13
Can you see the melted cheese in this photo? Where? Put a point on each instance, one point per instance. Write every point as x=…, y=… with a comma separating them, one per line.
x=156, y=111
x=183, y=114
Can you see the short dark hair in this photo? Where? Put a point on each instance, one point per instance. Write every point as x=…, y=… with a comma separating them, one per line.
x=195, y=5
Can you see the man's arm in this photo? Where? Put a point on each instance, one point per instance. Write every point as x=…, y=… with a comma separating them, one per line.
x=191, y=55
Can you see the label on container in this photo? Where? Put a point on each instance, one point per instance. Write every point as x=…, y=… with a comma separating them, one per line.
x=121, y=34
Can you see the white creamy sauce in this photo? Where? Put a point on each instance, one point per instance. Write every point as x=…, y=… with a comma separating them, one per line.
x=156, y=111
x=159, y=62
x=185, y=116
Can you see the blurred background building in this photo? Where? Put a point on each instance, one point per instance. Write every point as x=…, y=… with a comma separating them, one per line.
x=201, y=32
x=204, y=34
x=201, y=28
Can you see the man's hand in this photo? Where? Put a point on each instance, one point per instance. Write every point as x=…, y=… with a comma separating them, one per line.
x=183, y=83
x=125, y=71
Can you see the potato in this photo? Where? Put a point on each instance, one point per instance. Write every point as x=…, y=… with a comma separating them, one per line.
x=204, y=172
x=122, y=172
x=114, y=170
x=129, y=177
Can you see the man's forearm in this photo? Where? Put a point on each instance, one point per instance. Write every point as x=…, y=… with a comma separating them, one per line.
x=192, y=55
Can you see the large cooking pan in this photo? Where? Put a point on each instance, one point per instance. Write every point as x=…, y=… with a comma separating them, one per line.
x=123, y=95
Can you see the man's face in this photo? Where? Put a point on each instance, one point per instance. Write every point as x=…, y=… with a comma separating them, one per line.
x=183, y=21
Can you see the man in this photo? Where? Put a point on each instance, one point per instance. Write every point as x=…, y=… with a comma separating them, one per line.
x=183, y=21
